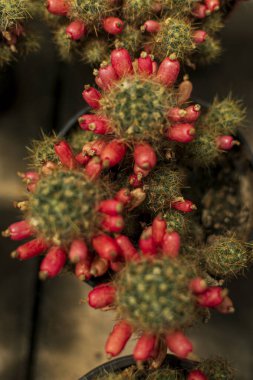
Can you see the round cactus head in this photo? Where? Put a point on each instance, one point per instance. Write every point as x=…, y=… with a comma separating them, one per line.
x=155, y=296
x=91, y=11
x=95, y=51
x=63, y=206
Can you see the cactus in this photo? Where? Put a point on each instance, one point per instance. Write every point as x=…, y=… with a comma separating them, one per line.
x=43, y=151
x=95, y=51
x=217, y=369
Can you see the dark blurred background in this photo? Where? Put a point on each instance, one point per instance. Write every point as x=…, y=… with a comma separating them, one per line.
x=45, y=333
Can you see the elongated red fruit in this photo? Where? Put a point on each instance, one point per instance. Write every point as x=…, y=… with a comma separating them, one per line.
x=199, y=36
x=113, y=153
x=212, y=297
x=127, y=249
x=101, y=296
x=83, y=270
x=141, y=173
x=124, y=196
x=168, y=70
x=179, y=344
x=145, y=156
x=154, y=67
x=118, y=338
x=212, y=5
x=117, y=265
x=99, y=266
x=144, y=347
x=18, y=231
x=198, y=285
x=29, y=177
x=106, y=247
x=176, y=114
x=135, y=180
x=93, y=168
x=52, y=263
x=184, y=90
x=30, y=249
x=145, y=64
x=121, y=62
x=171, y=244
x=146, y=243
x=98, y=125
x=108, y=76
x=192, y=113
x=183, y=133
x=158, y=229
x=58, y=7
x=113, y=25
x=151, y=26
x=226, y=142
x=113, y=224
x=99, y=82
x=200, y=11
x=184, y=205
x=81, y=159
x=111, y=207
x=76, y=30
x=65, y=154
x=92, y=96
x=196, y=375
x=78, y=251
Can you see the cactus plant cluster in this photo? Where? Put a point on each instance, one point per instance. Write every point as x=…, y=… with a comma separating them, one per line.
x=132, y=167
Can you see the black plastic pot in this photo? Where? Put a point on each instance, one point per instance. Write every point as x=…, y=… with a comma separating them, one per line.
x=118, y=365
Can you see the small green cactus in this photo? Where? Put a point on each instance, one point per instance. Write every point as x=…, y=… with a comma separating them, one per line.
x=91, y=12
x=43, y=151
x=209, y=51
x=137, y=11
x=63, y=206
x=13, y=12
x=95, y=51
x=65, y=46
x=217, y=369
x=131, y=39
x=177, y=221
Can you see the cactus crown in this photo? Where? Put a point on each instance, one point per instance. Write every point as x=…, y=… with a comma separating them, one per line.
x=63, y=206
x=154, y=296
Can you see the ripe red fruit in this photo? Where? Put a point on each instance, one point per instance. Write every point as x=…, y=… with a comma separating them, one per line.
x=198, y=285
x=123, y=195
x=101, y=296
x=117, y=266
x=18, y=231
x=113, y=153
x=99, y=82
x=179, y=344
x=145, y=156
x=78, y=251
x=83, y=270
x=135, y=180
x=226, y=142
x=168, y=70
x=151, y=26
x=146, y=243
x=118, y=338
x=76, y=30
x=65, y=154
x=93, y=168
x=144, y=347
x=192, y=113
x=171, y=244
x=154, y=67
x=158, y=229
x=176, y=114
x=29, y=177
x=30, y=249
x=184, y=205
x=113, y=224
x=107, y=75
x=145, y=64
x=126, y=247
x=196, y=375
x=212, y=5
x=140, y=173
x=111, y=207
x=200, y=11
x=94, y=148
x=121, y=62
x=81, y=159
x=52, y=263
x=199, y=36
x=113, y=25
x=92, y=96
x=183, y=133
x=58, y=7
x=106, y=247
x=212, y=297
x=99, y=266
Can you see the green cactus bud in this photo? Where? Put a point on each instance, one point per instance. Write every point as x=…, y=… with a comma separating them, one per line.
x=63, y=206
x=175, y=36
x=177, y=221
x=226, y=257
x=154, y=296
x=95, y=51
x=43, y=151
x=208, y=51
x=131, y=38
x=217, y=369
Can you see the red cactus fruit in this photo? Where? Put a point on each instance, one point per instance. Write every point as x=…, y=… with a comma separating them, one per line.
x=151, y=26
x=212, y=297
x=113, y=153
x=113, y=25
x=111, y=207
x=121, y=62
x=176, y=114
x=212, y=5
x=113, y=224
x=52, y=263
x=101, y=296
x=171, y=244
x=92, y=96
x=78, y=251
x=128, y=251
x=118, y=338
x=94, y=148
x=199, y=36
x=83, y=270
x=94, y=123
x=117, y=265
x=58, y=7
x=29, y=177
x=168, y=70
x=200, y=11
x=107, y=75
x=99, y=266
x=183, y=133
x=198, y=285
x=192, y=113
x=65, y=154
x=226, y=142
x=135, y=180
x=145, y=64
x=144, y=347
x=30, y=249
x=124, y=196
x=196, y=375
x=18, y=231
x=81, y=159
x=106, y=247
x=140, y=173
x=184, y=205
x=179, y=344
x=158, y=229
x=93, y=168
x=145, y=156
x=76, y=30
x=146, y=243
